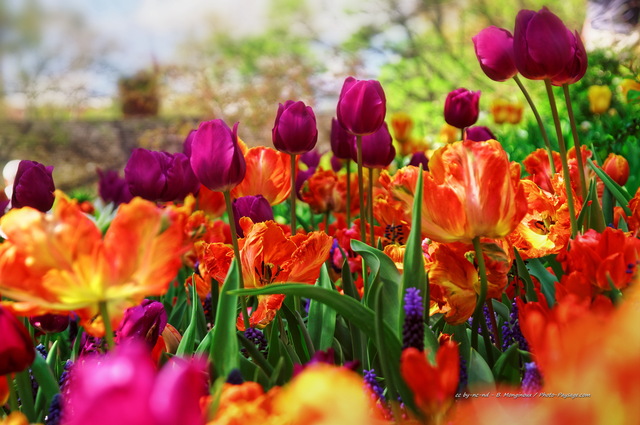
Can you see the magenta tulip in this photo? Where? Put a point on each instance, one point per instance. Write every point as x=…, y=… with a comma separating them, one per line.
x=33, y=186
x=113, y=188
x=16, y=349
x=341, y=140
x=144, y=322
x=576, y=66
x=362, y=106
x=257, y=208
x=216, y=157
x=541, y=44
x=377, y=149
x=419, y=158
x=479, y=133
x=294, y=131
x=494, y=49
x=186, y=145
x=461, y=107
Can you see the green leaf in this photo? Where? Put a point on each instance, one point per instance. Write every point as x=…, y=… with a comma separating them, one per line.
x=547, y=280
x=224, y=347
x=348, y=286
x=461, y=336
x=507, y=367
x=526, y=277
x=617, y=191
x=480, y=375
x=189, y=338
x=596, y=217
x=48, y=385
x=322, y=318
x=296, y=333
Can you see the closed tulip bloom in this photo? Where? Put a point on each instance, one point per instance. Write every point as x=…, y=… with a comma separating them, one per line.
x=160, y=176
x=461, y=108
x=16, y=349
x=419, y=158
x=494, y=49
x=336, y=163
x=599, y=99
x=50, y=323
x=341, y=140
x=144, y=322
x=186, y=145
x=362, y=106
x=617, y=167
x=295, y=131
x=377, y=149
x=541, y=44
x=257, y=208
x=216, y=157
x=479, y=133
x=113, y=188
x=33, y=186
x=311, y=159
x=576, y=65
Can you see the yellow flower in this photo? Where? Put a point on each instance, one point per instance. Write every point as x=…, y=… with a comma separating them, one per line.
x=599, y=99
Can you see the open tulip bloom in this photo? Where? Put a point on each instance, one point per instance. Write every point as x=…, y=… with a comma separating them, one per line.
x=492, y=284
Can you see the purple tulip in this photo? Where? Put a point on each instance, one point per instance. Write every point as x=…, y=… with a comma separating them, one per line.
x=33, y=186
x=494, y=49
x=419, y=158
x=576, y=66
x=295, y=131
x=50, y=323
x=113, y=188
x=16, y=348
x=144, y=322
x=186, y=145
x=336, y=163
x=160, y=176
x=362, y=106
x=461, y=108
x=311, y=159
x=216, y=157
x=479, y=133
x=541, y=44
x=377, y=149
x=341, y=140
x=257, y=208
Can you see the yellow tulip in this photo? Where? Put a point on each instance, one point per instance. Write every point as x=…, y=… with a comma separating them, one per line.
x=599, y=99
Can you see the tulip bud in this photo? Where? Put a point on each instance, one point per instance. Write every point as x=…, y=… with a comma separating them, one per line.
x=479, y=133
x=311, y=159
x=340, y=140
x=16, y=349
x=295, y=131
x=494, y=49
x=617, y=167
x=160, y=176
x=113, y=188
x=362, y=106
x=33, y=186
x=186, y=145
x=402, y=124
x=576, y=65
x=419, y=158
x=50, y=323
x=336, y=163
x=216, y=157
x=257, y=208
x=144, y=322
x=599, y=99
x=377, y=149
x=461, y=108
x=541, y=44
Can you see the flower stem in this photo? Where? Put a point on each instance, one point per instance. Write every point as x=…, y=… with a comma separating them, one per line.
x=477, y=313
x=576, y=141
x=543, y=130
x=370, y=208
x=236, y=253
x=108, y=330
x=363, y=213
x=293, y=194
x=326, y=221
x=563, y=156
x=494, y=324
x=462, y=134
x=348, y=165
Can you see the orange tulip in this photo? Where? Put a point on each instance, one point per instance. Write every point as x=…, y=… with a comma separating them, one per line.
x=617, y=167
x=321, y=192
x=269, y=256
x=268, y=174
x=536, y=164
x=62, y=262
x=626, y=86
x=471, y=190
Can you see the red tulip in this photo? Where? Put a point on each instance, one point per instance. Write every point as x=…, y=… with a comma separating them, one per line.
x=461, y=108
x=617, y=167
x=16, y=348
x=494, y=49
x=362, y=106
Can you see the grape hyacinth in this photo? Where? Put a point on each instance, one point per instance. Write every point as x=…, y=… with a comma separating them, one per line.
x=371, y=382
x=54, y=417
x=413, y=327
x=257, y=337
x=511, y=331
x=464, y=377
x=532, y=380
x=487, y=318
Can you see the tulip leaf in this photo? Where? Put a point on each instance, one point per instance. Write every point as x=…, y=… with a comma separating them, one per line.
x=461, y=336
x=596, y=217
x=480, y=375
x=25, y=390
x=617, y=191
x=189, y=338
x=526, y=277
x=383, y=273
x=547, y=280
x=414, y=275
x=224, y=343
x=47, y=383
x=348, y=286
x=322, y=318
x=296, y=334
x=507, y=367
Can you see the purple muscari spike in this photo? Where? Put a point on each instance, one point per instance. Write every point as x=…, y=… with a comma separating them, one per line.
x=532, y=380
x=413, y=327
x=257, y=337
x=235, y=377
x=42, y=350
x=371, y=381
x=54, y=417
x=511, y=331
x=464, y=377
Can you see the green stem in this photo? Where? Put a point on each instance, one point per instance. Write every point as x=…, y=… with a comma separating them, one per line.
x=363, y=228
x=543, y=130
x=236, y=253
x=563, y=157
x=13, y=397
x=608, y=203
x=326, y=221
x=108, y=330
x=576, y=141
x=462, y=134
x=293, y=194
x=370, y=208
x=23, y=382
x=477, y=313
x=348, y=208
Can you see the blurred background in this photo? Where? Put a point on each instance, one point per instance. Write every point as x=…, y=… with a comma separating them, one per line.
x=84, y=82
